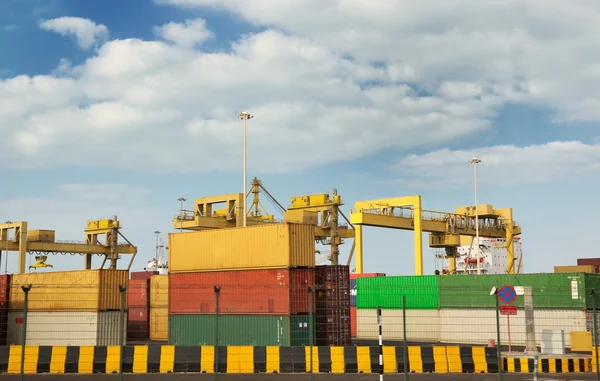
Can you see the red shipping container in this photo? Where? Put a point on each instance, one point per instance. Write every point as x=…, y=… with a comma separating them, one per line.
x=366, y=275
x=138, y=294
x=277, y=292
x=589, y=261
x=138, y=323
x=4, y=291
x=334, y=327
x=333, y=287
x=353, y=324
x=143, y=274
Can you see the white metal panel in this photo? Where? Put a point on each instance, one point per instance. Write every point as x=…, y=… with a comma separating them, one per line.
x=64, y=328
x=421, y=325
x=478, y=326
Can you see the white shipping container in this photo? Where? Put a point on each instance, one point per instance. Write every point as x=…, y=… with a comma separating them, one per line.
x=66, y=328
x=421, y=325
x=478, y=326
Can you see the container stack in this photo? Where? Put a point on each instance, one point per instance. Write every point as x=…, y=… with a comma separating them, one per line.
x=353, y=278
x=263, y=274
x=4, y=298
x=67, y=307
x=138, y=300
x=159, y=308
x=333, y=305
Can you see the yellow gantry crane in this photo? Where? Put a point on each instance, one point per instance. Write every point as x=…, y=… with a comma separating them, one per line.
x=42, y=243
x=445, y=229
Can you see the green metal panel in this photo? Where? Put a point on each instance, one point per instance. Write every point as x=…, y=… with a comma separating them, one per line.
x=299, y=330
x=550, y=290
x=386, y=292
x=258, y=330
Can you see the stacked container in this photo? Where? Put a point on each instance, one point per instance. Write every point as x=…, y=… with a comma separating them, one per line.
x=138, y=301
x=67, y=307
x=353, y=278
x=263, y=274
x=4, y=298
x=333, y=305
x=159, y=307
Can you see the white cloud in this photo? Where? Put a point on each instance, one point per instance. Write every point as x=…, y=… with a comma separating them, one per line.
x=504, y=165
x=187, y=34
x=85, y=31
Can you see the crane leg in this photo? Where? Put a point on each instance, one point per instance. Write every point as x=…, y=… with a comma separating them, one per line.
x=358, y=230
x=418, y=231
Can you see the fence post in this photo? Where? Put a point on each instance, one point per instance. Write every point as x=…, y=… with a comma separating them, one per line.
x=24, y=333
x=122, y=289
x=595, y=331
x=217, y=292
x=404, y=337
x=380, y=343
x=310, y=330
x=535, y=368
x=498, y=346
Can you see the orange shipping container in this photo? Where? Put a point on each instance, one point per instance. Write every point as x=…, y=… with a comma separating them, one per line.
x=353, y=325
x=576, y=269
x=79, y=290
x=159, y=291
x=137, y=293
x=270, y=246
x=261, y=292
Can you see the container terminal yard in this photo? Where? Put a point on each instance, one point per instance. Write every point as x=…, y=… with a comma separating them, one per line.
x=255, y=298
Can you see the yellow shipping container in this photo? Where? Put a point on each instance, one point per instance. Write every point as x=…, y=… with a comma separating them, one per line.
x=41, y=235
x=79, y=290
x=575, y=269
x=270, y=246
x=159, y=323
x=159, y=291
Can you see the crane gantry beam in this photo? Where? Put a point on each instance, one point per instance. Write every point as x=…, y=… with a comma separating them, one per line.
x=406, y=213
x=42, y=242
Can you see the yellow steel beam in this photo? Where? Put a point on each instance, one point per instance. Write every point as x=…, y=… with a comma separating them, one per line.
x=65, y=247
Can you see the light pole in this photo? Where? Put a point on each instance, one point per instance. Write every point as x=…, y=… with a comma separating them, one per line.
x=156, y=258
x=476, y=161
x=244, y=116
x=182, y=200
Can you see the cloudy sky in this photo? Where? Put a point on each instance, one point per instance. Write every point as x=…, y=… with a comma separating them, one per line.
x=119, y=108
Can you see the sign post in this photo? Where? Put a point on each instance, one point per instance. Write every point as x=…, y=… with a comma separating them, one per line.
x=508, y=295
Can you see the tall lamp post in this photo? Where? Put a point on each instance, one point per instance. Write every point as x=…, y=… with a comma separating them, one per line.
x=182, y=200
x=476, y=161
x=244, y=116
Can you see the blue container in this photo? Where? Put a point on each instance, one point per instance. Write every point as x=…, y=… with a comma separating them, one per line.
x=352, y=292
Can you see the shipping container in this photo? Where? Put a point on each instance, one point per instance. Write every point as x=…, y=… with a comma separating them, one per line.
x=78, y=290
x=333, y=327
x=263, y=292
x=353, y=330
x=4, y=291
x=550, y=291
x=421, y=325
x=386, y=292
x=159, y=291
x=3, y=326
x=143, y=274
x=159, y=323
x=333, y=286
x=588, y=261
x=365, y=275
x=353, y=278
x=576, y=269
x=41, y=235
x=138, y=293
x=478, y=326
x=138, y=323
x=256, y=330
x=66, y=328
x=270, y=246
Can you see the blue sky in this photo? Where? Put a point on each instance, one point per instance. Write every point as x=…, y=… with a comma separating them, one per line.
x=119, y=108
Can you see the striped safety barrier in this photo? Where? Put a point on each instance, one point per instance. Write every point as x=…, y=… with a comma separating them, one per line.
x=247, y=359
x=547, y=365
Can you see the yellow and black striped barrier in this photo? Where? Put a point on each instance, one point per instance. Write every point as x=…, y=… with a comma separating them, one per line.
x=250, y=359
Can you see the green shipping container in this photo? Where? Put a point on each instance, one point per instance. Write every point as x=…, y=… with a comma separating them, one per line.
x=550, y=291
x=386, y=292
x=257, y=330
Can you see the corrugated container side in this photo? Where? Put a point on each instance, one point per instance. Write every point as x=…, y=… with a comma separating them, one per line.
x=3, y=326
x=138, y=293
x=353, y=292
x=78, y=290
x=256, y=330
x=65, y=328
x=159, y=323
x=138, y=323
x=276, y=292
x=588, y=261
x=143, y=274
x=576, y=269
x=333, y=327
x=254, y=247
x=422, y=292
x=421, y=325
x=353, y=327
x=333, y=287
x=159, y=291
x=4, y=291
x=480, y=325
x=366, y=275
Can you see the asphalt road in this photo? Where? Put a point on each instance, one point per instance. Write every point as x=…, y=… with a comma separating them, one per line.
x=307, y=377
